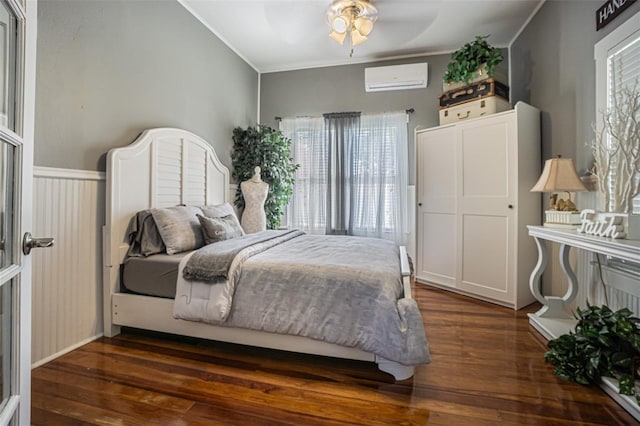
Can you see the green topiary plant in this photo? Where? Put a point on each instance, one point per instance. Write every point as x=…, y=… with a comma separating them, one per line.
x=605, y=343
x=270, y=149
x=466, y=60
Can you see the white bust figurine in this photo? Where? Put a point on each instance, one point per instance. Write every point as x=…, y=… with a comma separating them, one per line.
x=254, y=192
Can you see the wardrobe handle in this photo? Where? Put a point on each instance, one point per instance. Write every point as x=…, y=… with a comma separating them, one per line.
x=419, y=204
x=510, y=206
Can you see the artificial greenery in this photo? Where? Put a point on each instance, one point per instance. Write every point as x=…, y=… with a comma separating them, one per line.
x=605, y=343
x=466, y=60
x=270, y=150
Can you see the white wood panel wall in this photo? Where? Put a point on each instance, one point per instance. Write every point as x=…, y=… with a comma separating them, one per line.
x=67, y=278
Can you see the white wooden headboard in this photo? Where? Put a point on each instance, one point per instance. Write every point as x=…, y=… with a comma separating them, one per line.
x=163, y=167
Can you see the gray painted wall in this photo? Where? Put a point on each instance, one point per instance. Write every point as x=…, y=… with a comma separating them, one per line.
x=553, y=68
x=341, y=88
x=107, y=70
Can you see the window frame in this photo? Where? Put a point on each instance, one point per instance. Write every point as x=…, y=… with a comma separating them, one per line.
x=383, y=224
x=602, y=50
x=621, y=36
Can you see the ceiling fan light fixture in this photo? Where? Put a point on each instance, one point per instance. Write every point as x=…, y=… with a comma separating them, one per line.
x=341, y=24
x=363, y=25
x=339, y=37
x=357, y=38
x=354, y=18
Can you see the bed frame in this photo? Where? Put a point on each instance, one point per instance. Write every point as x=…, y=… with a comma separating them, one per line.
x=165, y=167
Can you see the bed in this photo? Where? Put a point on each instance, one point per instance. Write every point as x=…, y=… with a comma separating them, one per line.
x=169, y=167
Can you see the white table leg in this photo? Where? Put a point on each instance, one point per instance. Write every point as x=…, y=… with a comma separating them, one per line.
x=534, y=280
x=572, y=281
x=552, y=306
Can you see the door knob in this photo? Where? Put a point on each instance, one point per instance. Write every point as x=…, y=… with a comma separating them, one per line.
x=510, y=206
x=419, y=204
x=29, y=243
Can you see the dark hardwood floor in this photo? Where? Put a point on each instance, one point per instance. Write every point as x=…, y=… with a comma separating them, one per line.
x=487, y=369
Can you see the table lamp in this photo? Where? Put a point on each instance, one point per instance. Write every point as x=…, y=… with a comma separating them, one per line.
x=560, y=175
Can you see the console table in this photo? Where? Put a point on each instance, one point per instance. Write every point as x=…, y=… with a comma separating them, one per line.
x=553, y=320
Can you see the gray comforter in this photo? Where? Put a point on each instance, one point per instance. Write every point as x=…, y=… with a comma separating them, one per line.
x=338, y=289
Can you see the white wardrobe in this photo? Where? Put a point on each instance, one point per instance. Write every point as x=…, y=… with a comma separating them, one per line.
x=474, y=202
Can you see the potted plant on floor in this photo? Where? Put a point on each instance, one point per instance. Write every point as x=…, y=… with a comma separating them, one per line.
x=605, y=343
x=474, y=61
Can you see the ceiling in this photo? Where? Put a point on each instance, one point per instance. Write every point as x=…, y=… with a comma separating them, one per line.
x=276, y=35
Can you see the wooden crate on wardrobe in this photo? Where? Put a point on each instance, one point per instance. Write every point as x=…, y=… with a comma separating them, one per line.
x=473, y=205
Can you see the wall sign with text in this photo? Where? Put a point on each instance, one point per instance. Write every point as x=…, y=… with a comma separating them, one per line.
x=610, y=10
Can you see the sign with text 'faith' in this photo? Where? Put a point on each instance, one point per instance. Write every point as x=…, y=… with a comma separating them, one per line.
x=602, y=224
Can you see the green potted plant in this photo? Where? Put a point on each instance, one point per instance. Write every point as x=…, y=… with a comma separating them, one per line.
x=475, y=60
x=268, y=148
x=605, y=343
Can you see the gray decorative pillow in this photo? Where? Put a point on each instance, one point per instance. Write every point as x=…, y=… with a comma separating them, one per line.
x=215, y=229
x=218, y=210
x=143, y=235
x=179, y=228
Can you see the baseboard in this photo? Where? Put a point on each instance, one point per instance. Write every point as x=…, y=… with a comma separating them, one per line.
x=467, y=294
x=65, y=351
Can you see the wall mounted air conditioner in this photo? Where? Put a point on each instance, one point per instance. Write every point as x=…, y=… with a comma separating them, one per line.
x=396, y=77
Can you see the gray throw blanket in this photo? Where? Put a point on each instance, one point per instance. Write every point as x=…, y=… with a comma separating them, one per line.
x=214, y=260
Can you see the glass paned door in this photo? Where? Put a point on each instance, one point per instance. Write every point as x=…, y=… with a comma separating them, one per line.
x=16, y=162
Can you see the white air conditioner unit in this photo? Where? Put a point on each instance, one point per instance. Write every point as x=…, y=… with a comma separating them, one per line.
x=396, y=77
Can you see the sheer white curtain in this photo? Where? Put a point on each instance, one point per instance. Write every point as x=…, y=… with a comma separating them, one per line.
x=307, y=209
x=365, y=193
x=379, y=178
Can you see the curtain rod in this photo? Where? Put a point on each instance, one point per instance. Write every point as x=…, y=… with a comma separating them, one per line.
x=408, y=111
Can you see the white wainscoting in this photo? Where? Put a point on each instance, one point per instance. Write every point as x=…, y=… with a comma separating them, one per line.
x=67, y=278
x=69, y=205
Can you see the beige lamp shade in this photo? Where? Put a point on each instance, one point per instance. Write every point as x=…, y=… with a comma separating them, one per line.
x=559, y=174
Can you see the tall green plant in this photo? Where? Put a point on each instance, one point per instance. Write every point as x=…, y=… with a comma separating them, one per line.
x=605, y=343
x=268, y=148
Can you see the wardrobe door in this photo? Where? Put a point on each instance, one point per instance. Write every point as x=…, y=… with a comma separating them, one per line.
x=437, y=182
x=486, y=203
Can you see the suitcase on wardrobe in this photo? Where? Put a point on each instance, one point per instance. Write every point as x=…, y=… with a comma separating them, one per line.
x=481, y=89
x=473, y=109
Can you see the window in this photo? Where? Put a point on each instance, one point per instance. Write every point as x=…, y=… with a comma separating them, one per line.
x=307, y=208
x=617, y=66
x=380, y=176
x=353, y=174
